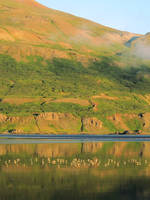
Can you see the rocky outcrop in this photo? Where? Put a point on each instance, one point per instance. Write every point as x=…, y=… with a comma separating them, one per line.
x=52, y=122
x=3, y=118
x=41, y=123
x=58, y=123
x=20, y=119
x=92, y=125
x=55, y=116
x=66, y=123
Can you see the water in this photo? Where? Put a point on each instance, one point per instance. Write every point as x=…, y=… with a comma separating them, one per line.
x=74, y=170
x=37, y=138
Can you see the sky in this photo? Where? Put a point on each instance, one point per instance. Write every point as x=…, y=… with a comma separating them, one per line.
x=125, y=15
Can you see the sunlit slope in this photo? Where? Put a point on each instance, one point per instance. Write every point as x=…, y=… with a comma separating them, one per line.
x=64, y=74
x=28, y=28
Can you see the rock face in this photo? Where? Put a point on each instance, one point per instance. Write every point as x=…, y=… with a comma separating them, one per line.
x=66, y=123
x=54, y=116
x=92, y=125
x=3, y=118
x=58, y=123
x=41, y=123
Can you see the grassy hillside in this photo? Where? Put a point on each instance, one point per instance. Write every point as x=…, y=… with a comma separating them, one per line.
x=99, y=90
x=28, y=28
x=56, y=63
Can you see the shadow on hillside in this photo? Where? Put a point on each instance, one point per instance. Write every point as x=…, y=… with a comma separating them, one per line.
x=135, y=78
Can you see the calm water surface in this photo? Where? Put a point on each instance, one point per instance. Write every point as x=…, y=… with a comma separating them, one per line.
x=75, y=171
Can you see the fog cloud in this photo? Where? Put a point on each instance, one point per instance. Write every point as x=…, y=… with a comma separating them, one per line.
x=142, y=50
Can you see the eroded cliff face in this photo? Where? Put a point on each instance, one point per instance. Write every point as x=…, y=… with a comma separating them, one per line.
x=41, y=123
x=3, y=118
x=58, y=123
x=66, y=123
x=92, y=125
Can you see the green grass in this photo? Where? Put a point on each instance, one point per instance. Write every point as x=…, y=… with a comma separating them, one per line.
x=122, y=105
x=59, y=78
x=134, y=124
x=108, y=124
x=38, y=77
x=8, y=126
x=28, y=109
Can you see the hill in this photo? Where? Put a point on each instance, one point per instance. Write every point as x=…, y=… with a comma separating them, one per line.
x=64, y=74
x=27, y=27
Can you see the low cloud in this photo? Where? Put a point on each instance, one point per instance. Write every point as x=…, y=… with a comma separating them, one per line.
x=142, y=51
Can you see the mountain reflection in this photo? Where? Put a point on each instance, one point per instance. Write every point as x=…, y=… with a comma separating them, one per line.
x=104, y=170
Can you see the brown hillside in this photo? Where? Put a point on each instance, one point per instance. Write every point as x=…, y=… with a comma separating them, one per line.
x=28, y=28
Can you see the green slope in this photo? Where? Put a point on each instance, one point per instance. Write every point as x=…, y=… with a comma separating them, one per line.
x=90, y=71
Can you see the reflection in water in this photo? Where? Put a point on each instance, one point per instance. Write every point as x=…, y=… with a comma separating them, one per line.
x=104, y=170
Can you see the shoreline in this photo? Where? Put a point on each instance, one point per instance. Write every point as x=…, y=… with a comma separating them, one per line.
x=36, y=138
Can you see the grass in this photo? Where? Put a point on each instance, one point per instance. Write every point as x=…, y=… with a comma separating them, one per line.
x=59, y=78
x=134, y=124
x=110, y=107
x=7, y=127
x=27, y=109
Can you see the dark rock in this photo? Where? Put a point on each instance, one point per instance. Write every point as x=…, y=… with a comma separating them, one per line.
x=11, y=130
x=35, y=114
x=138, y=131
x=125, y=132
x=141, y=115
